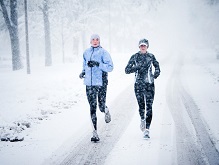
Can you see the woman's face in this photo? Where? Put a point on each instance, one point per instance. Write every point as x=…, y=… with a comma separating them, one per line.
x=95, y=42
x=143, y=48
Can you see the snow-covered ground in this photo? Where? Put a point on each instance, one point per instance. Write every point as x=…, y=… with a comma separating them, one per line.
x=45, y=118
x=49, y=110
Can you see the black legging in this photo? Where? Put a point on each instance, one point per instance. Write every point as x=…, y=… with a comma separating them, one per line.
x=145, y=92
x=94, y=92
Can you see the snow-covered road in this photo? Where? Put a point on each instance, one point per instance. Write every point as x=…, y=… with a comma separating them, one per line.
x=178, y=132
x=194, y=144
x=85, y=152
x=183, y=131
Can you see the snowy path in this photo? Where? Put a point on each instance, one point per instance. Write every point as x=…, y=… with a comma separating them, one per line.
x=194, y=145
x=184, y=128
x=85, y=152
x=121, y=140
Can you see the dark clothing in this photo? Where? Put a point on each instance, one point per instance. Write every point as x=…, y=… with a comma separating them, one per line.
x=94, y=93
x=105, y=78
x=141, y=65
x=145, y=92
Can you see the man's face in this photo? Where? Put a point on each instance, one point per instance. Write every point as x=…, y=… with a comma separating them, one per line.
x=143, y=48
x=95, y=42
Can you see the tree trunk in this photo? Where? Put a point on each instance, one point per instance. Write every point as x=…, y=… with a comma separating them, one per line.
x=75, y=47
x=27, y=38
x=13, y=32
x=48, y=56
x=63, y=44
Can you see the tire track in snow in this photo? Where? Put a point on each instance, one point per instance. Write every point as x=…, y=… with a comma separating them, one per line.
x=208, y=147
x=193, y=146
x=86, y=152
x=187, y=152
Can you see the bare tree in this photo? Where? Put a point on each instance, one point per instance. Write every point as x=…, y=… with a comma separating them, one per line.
x=48, y=56
x=27, y=38
x=12, y=25
x=70, y=21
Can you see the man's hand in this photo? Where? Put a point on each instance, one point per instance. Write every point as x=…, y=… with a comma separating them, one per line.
x=92, y=63
x=82, y=75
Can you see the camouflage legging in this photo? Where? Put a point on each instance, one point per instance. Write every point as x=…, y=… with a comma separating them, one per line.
x=94, y=92
x=145, y=92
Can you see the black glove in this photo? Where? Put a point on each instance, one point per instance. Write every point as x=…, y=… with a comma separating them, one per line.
x=92, y=63
x=156, y=73
x=82, y=75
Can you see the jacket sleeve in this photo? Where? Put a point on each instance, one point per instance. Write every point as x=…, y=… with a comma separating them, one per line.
x=131, y=66
x=156, y=65
x=107, y=64
x=84, y=63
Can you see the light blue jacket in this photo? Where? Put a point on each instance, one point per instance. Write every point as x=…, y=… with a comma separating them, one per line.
x=93, y=75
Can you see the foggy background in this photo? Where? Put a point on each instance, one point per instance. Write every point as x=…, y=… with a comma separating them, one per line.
x=48, y=109
x=167, y=24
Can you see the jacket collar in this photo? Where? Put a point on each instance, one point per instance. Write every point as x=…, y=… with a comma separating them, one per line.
x=143, y=54
x=96, y=47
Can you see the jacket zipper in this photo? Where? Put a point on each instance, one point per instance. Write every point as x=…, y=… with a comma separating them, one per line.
x=91, y=67
x=136, y=73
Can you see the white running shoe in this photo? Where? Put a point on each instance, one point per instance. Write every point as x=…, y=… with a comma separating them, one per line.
x=146, y=134
x=95, y=137
x=142, y=125
x=107, y=115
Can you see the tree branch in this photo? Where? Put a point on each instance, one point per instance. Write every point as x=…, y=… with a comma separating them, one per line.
x=5, y=15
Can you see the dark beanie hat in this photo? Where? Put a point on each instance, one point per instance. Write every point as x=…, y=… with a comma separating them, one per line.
x=143, y=42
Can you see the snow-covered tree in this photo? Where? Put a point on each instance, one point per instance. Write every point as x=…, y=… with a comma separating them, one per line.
x=70, y=22
x=11, y=21
x=48, y=56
